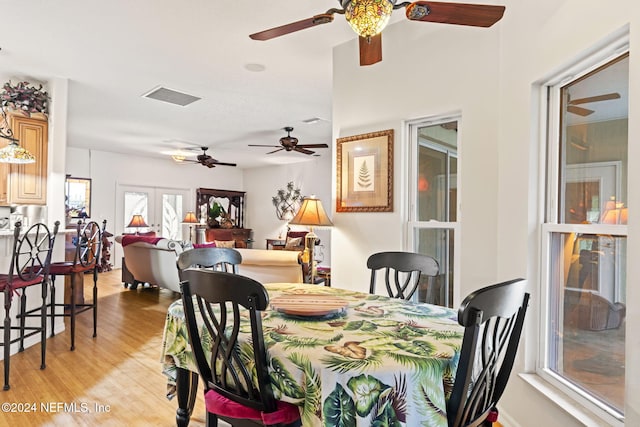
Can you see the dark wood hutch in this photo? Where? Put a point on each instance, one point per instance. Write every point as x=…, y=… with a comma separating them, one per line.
x=233, y=203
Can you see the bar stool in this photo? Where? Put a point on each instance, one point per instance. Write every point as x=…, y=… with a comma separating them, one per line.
x=29, y=267
x=86, y=259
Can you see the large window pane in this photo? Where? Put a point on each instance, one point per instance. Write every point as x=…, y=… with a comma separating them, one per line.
x=587, y=315
x=437, y=243
x=594, y=145
x=587, y=233
x=437, y=168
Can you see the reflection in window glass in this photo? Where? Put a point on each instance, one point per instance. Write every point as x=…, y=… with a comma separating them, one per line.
x=437, y=168
x=587, y=346
x=435, y=173
x=587, y=264
x=594, y=146
x=135, y=203
x=437, y=243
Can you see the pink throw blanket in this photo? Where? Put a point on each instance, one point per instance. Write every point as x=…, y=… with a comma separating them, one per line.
x=132, y=238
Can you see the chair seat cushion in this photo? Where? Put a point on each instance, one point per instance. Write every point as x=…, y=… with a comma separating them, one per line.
x=18, y=283
x=285, y=413
x=68, y=267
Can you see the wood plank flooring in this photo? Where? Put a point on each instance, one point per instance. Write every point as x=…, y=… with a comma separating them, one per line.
x=114, y=379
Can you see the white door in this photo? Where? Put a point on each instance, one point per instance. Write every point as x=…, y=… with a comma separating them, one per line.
x=161, y=208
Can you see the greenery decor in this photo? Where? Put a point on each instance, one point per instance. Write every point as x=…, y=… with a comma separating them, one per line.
x=287, y=201
x=24, y=97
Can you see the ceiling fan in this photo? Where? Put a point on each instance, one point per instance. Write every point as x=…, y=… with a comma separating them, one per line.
x=572, y=105
x=204, y=159
x=290, y=143
x=369, y=17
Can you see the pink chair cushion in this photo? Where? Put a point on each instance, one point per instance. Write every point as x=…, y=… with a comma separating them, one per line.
x=133, y=238
x=217, y=404
x=17, y=283
x=204, y=245
x=67, y=267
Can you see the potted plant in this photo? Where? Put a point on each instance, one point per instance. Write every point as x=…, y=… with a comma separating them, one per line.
x=25, y=98
x=214, y=212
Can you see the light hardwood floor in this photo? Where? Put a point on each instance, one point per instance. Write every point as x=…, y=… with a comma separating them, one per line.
x=118, y=372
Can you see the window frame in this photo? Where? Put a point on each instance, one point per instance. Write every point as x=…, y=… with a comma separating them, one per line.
x=550, y=178
x=412, y=223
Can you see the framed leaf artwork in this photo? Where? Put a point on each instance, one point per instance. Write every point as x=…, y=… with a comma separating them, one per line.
x=365, y=172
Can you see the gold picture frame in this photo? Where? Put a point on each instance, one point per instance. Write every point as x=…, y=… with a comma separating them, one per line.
x=365, y=172
x=77, y=197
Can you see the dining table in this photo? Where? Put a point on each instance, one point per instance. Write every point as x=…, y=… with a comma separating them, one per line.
x=362, y=360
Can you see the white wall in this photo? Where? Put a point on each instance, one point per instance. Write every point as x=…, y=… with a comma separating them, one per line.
x=443, y=70
x=539, y=39
x=313, y=177
x=487, y=75
x=107, y=170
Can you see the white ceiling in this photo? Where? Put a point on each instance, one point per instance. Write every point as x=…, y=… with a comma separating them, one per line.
x=114, y=52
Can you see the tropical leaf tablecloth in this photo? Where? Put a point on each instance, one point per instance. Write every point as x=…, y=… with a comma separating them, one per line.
x=384, y=362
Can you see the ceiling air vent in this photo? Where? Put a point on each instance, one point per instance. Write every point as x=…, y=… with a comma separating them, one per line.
x=171, y=96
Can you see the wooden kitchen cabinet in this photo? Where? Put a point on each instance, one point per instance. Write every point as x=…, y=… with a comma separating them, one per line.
x=26, y=184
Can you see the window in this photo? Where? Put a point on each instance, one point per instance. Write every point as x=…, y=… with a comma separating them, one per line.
x=433, y=213
x=584, y=236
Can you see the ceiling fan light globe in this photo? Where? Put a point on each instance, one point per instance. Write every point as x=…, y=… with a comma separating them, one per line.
x=368, y=17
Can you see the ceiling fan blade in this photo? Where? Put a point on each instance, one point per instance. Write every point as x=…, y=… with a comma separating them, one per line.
x=224, y=164
x=302, y=150
x=475, y=15
x=275, y=151
x=313, y=146
x=261, y=145
x=597, y=98
x=579, y=110
x=370, y=49
x=271, y=33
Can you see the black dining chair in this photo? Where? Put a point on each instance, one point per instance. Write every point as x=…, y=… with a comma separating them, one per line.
x=492, y=318
x=237, y=387
x=402, y=272
x=221, y=259
x=86, y=259
x=29, y=268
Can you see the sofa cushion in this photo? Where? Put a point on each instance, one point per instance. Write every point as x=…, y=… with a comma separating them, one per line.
x=293, y=242
x=225, y=243
x=204, y=245
x=128, y=239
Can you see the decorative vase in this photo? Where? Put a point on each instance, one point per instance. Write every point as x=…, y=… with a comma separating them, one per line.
x=212, y=223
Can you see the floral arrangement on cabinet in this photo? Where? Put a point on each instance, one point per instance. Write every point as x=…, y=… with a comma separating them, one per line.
x=25, y=98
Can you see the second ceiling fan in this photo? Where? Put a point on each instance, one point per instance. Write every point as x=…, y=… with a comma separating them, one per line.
x=204, y=159
x=369, y=17
x=290, y=143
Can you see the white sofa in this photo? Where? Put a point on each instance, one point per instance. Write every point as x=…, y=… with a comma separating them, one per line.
x=153, y=263
x=267, y=266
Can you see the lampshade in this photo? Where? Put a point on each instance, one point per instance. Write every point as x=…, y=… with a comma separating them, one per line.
x=618, y=215
x=368, y=17
x=137, y=221
x=311, y=213
x=13, y=153
x=190, y=218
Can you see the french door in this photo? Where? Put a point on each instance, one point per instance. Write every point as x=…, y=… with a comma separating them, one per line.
x=161, y=208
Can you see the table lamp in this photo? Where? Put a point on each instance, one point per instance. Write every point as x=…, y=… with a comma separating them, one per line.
x=137, y=221
x=190, y=218
x=311, y=213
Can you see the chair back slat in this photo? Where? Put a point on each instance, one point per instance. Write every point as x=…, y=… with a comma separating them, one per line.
x=493, y=318
x=225, y=301
x=220, y=259
x=402, y=272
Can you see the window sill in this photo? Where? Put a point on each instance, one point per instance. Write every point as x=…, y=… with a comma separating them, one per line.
x=572, y=407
